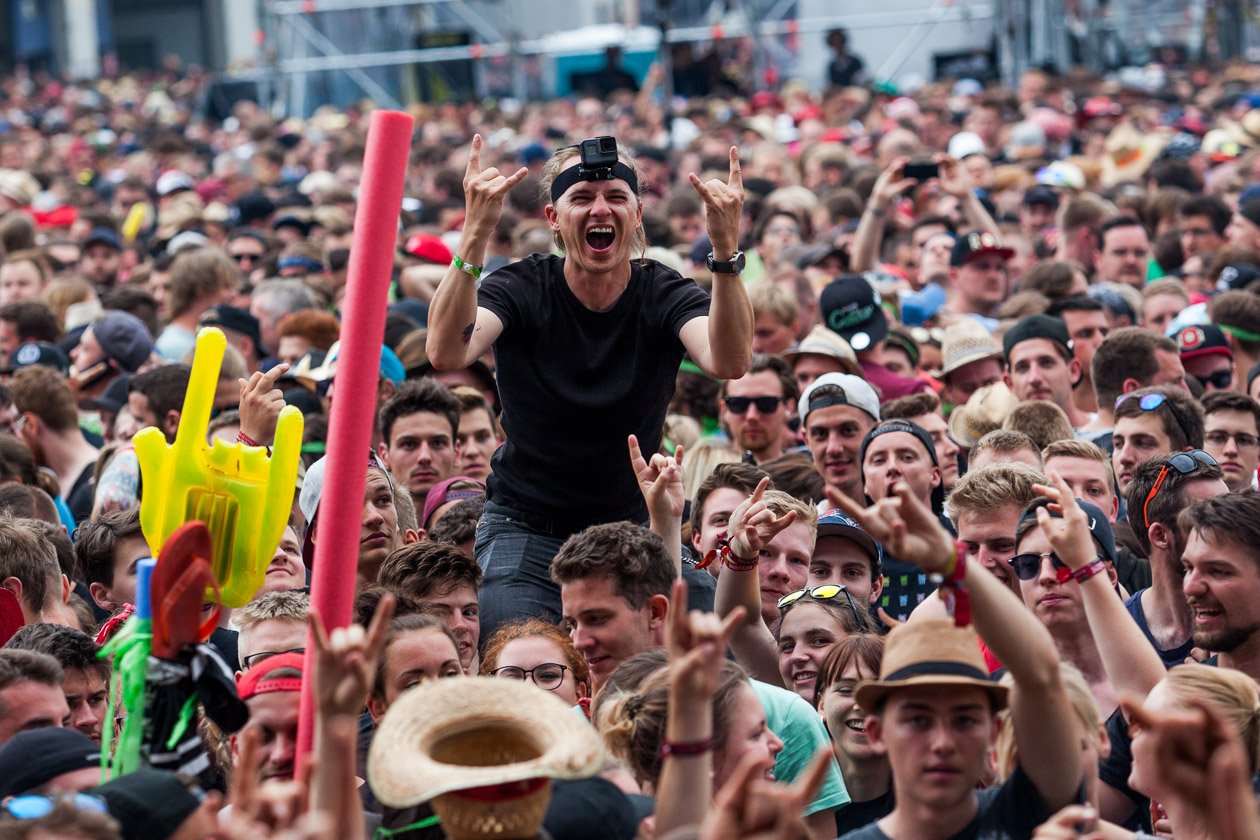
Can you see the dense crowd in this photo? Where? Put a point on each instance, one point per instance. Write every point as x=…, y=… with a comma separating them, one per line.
x=868, y=462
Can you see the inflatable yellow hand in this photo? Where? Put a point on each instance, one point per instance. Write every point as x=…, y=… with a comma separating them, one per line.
x=243, y=495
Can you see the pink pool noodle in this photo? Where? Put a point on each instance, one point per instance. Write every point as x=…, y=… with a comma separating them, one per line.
x=354, y=397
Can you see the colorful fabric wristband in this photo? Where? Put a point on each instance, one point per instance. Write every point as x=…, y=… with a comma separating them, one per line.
x=474, y=270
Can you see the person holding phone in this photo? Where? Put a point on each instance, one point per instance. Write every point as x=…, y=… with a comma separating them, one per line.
x=587, y=346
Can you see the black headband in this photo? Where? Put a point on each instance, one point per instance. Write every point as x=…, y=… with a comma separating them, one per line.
x=573, y=174
x=900, y=426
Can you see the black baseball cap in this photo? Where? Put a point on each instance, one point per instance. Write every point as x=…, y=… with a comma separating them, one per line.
x=39, y=353
x=1043, y=195
x=148, y=804
x=976, y=244
x=103, y=236
x=34, y=758
x=853, y=310
x=237, y=319
x=1036, y=326
x=1099, y=527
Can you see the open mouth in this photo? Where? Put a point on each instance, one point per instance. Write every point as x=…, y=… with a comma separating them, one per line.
x=1204, y=614
x=804, y=677
x=855, y=726
x=600, y=237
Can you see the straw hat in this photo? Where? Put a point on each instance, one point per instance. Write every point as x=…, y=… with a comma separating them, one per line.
x=1129, y=154
x=484, y=750
x=984, y=412
x=823, y=342
x=965, y=342
x=929, y=652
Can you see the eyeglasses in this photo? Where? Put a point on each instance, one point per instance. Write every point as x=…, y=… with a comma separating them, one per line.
x=548, y=675
x=254, y=658
x=33, y=806
x=1220, y=380
x=1220, y=437
x=765, y=405
x=240, y=258
x=1150, y=402
x=819, y=593
x=1028, y=565
x=1184, y=463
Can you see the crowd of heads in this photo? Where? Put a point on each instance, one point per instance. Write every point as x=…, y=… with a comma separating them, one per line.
x=970, y=304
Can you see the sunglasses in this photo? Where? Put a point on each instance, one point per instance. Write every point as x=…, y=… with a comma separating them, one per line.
x=1220, y=380
x=240, y=258
x=765, y=405
x=547, y=676
x=1150, y=402
x=1184, y=463
x=818, y=593
x=1028, y=565
x=34, y=806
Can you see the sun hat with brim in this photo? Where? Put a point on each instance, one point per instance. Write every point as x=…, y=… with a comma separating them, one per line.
x=821, y=342
x=985, y=411
x=932, y=652
x=964, y=343
x=483, y=750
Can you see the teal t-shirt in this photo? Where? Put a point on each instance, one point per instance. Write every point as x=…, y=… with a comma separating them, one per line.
x=800, y=728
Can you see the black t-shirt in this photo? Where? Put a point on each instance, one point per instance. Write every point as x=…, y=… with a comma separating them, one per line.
x=574, y=383
x=856, y=815
x=79, y=499
x=1012, y=811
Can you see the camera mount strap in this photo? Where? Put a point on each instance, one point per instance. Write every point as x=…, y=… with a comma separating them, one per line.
x=573, y=174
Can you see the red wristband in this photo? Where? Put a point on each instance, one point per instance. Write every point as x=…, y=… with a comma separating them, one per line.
x=246, y=439
x=1085, y=572
x=686, y=749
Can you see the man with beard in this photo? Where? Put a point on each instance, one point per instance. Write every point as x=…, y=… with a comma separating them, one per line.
x=755, y=407
x=1222, y=578
x=1161, y=488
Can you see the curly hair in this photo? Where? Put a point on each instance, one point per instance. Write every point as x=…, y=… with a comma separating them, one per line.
x=529, y=628
x=634, y=557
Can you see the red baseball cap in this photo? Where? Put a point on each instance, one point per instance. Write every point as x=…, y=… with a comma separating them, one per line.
x=259, y=679
x=428, y=247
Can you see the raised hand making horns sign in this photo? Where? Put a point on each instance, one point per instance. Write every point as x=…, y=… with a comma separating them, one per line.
x=723, y=203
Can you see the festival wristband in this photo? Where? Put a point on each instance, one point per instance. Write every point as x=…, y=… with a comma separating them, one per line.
x=685, y=749
x=468, y=268
x=1087, y=571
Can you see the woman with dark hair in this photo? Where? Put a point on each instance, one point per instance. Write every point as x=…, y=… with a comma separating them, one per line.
x=813, y=622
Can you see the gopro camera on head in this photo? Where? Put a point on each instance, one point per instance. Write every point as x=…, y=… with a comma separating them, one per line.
x=598, y=161
x=598, y=156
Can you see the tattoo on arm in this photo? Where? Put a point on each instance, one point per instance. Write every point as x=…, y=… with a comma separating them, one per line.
x=468, y=331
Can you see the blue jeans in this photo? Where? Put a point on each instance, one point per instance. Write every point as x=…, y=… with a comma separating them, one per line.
x=515, y=563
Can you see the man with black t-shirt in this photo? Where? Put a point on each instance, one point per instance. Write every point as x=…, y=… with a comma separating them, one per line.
x=587, y=347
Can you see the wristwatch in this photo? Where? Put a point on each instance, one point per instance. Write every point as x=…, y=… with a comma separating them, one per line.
x=735, y=265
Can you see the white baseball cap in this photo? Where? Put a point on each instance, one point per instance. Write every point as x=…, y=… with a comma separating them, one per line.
x=854, y=391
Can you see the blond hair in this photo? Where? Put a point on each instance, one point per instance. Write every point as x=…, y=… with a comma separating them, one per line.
x=1079, y=449
x=993, y=486
x=1166, y=286
x=781, y=504
x=701, y=460
x=556, y=164
x=284, y=605
x=1232, y=694
x=769, y=298
x=1083, y=703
